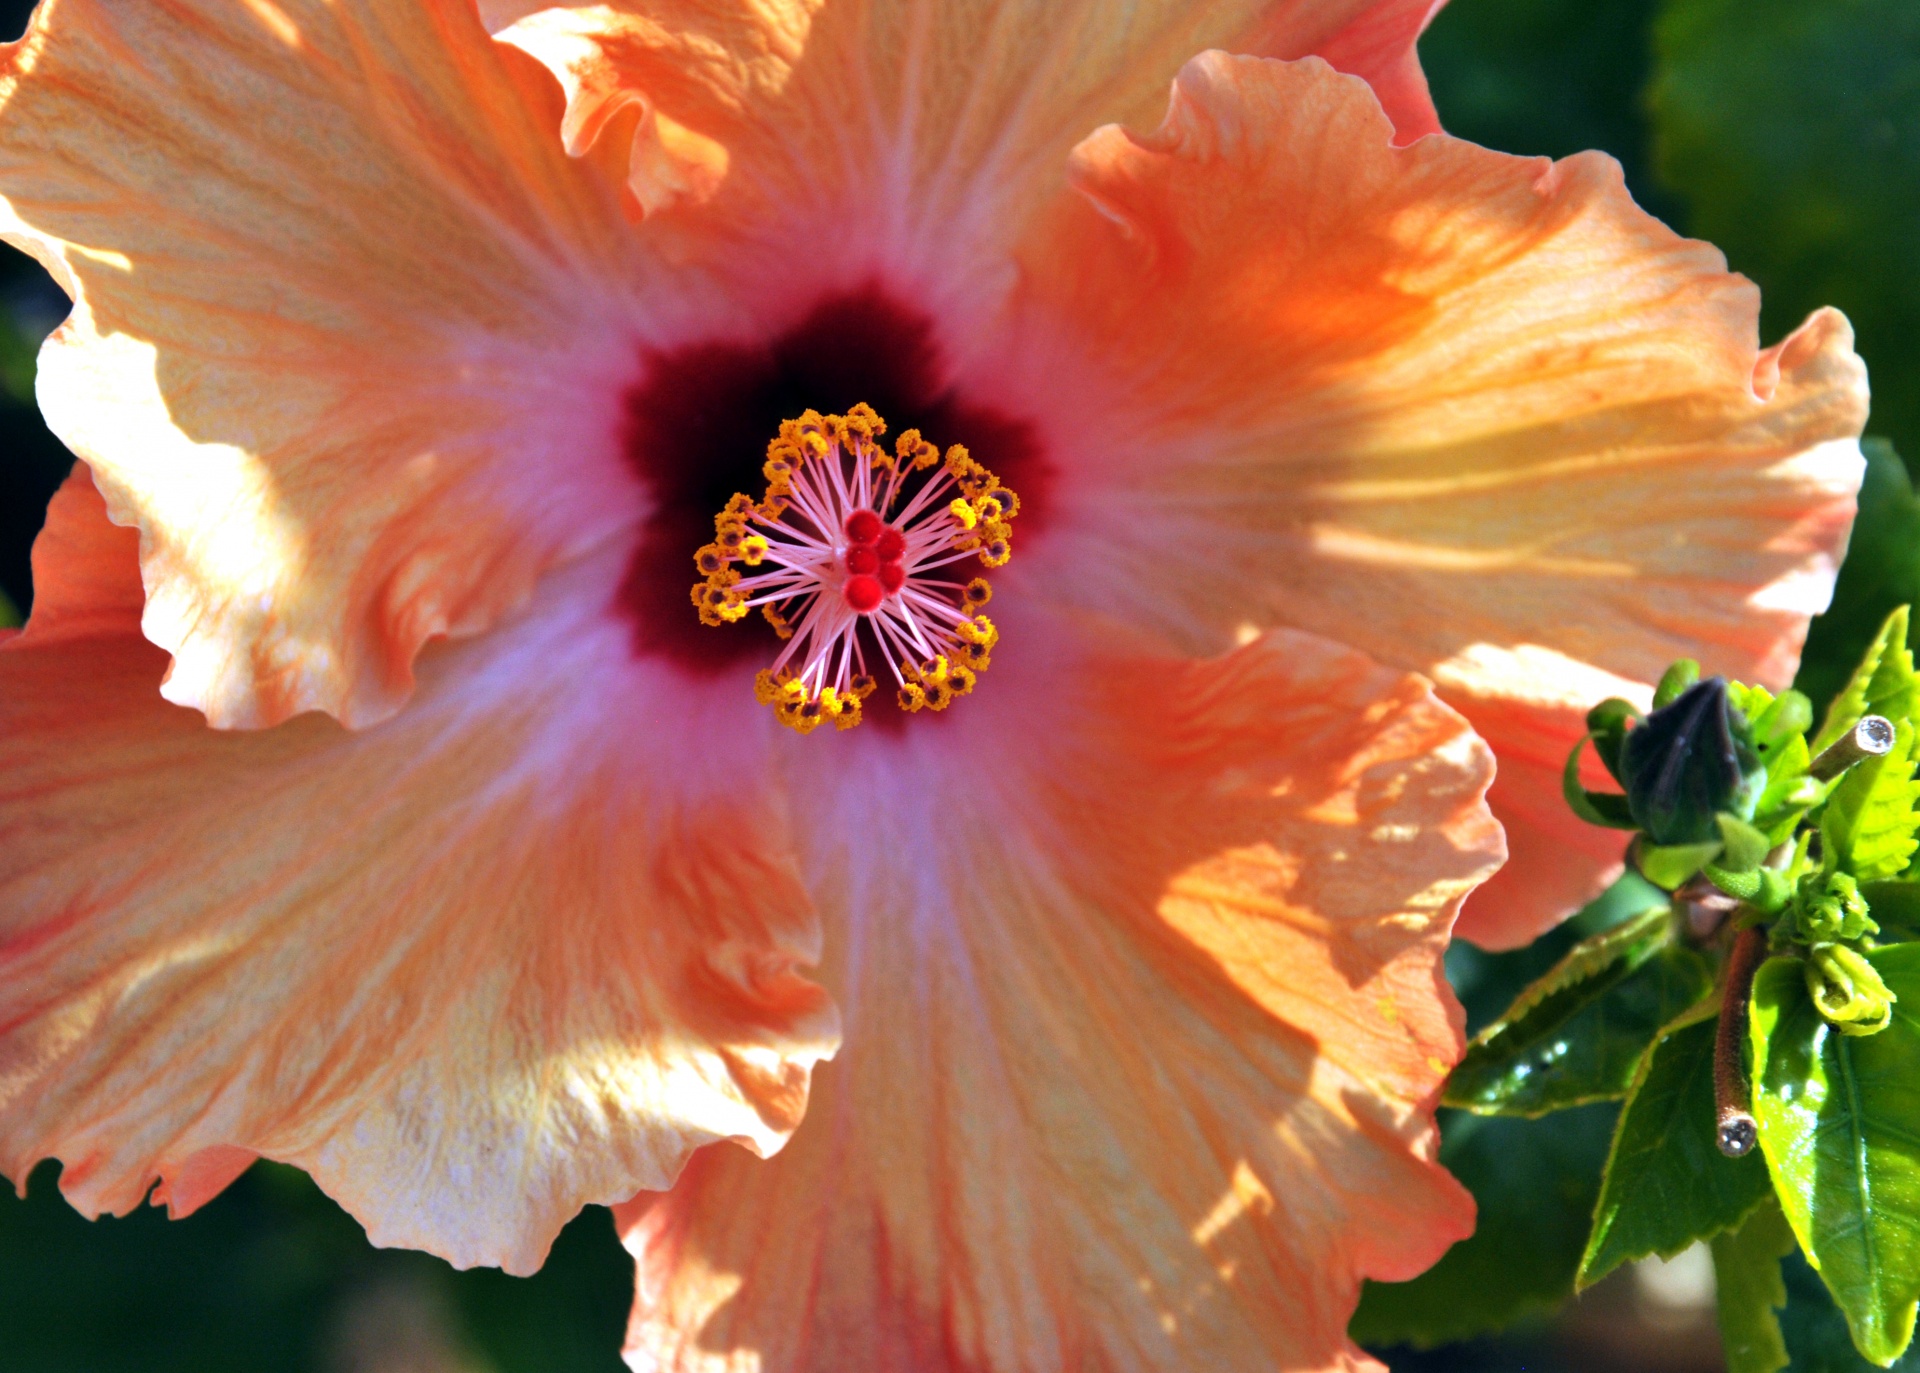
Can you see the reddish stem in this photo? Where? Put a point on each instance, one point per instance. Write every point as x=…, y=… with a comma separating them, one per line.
x=1735, y=1130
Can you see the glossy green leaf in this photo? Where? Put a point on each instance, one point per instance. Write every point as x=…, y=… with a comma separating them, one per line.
x=1816, y=1330
x=1869, y=822
x=1535, y=1182
x=1666, y=1182
x=1881, y=573
x=1791, y=128
x=1576, y=1035
x=1840, y=1125
x=1895, y=908
x=1883, y=684
x=1749, y=1291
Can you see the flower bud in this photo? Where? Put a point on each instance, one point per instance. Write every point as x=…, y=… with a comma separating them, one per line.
x=1830, y=907
x=1847, y=991
x=1686, y=762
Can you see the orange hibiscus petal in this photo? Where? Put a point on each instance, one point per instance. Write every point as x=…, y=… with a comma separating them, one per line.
x=1476, y=415
x=348, y=327
x=517, y=950
x=928, y=129
x=1145, y=1022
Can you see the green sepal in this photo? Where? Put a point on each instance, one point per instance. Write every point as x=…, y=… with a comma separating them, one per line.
x=1534, y=1182
x=1670, y=866
x=1675, y=681
x=1576, y=1035
x=1869, y=825
x=1883, y=684
x=1787, y=718
x=1743, y=848
x=1839, y=1121
x=1595, y=807
x=1607, y=726
x=1765, y=889
x=1666, y=1183
x=1749, y=1292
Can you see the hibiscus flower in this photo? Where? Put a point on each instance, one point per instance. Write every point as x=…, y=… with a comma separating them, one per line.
x=372, y=797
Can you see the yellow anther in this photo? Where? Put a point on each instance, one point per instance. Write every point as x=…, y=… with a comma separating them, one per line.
x=931, y=506
x=979, y=630
x=717, y=601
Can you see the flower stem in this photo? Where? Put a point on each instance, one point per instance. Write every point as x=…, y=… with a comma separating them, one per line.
x=1735, y=1131
x=1871, y=738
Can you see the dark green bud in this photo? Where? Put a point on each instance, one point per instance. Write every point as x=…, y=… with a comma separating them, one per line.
x=1686, y=762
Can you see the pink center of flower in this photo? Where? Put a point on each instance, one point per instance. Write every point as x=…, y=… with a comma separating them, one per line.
x=857, y=542
x=696, y=425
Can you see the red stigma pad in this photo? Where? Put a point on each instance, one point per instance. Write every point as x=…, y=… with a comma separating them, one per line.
x=892, y=577
x=863, y=594
x=862, y=561
x=890, y=545
x=863, y=526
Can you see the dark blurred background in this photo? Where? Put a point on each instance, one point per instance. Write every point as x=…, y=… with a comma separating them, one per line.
x=1786, y=131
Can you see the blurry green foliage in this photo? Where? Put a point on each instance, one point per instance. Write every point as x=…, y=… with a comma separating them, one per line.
x=1549, y=77
x=1536, y=1182
x=272, y=1275
x=1791, y=132
x=1882, y=571
x=1750, y=1292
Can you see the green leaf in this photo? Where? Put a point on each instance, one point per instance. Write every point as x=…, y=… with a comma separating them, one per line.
x=1882, y=572
x=1895, y=908
x=1869, y=823
x=9, y=613
x=1535, y=1182
x=1816, y=1329
x=1840, y=1126
x=1670, y=865
x=1792, y=130
x=1883, y=684
x=1667, y=1184
x=1749, y=1290
x=1576, y=1035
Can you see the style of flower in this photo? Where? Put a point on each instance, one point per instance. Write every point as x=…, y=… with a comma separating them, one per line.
x=459, y=864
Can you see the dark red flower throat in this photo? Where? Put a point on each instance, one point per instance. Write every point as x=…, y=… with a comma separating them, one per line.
x=699, y=420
